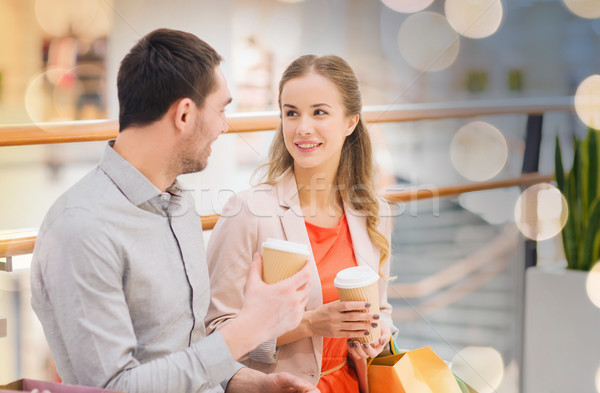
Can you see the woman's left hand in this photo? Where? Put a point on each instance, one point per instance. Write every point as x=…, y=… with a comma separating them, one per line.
x=363, y=351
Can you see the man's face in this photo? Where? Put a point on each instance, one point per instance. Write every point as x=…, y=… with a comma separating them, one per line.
x=210, y=122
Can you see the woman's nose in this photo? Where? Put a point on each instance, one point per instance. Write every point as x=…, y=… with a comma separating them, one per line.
x=305, y=126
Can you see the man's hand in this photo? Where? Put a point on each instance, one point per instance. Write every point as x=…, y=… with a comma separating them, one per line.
x=247, y=380
x=269, y=310
x=284, y=382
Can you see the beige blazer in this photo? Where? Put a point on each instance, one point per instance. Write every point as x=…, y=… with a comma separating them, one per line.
x=248, y=219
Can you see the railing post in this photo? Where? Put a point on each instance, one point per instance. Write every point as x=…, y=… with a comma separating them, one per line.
x=531, y=160
x=6, y=266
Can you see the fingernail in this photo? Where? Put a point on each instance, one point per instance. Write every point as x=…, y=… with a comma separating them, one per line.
x=367, y=305
x=374, y=324
x=352, y=344
x=367, y=333
x=376, y=316
x=365, y=346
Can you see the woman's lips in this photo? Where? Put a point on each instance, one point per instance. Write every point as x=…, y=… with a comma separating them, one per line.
x=307, y=147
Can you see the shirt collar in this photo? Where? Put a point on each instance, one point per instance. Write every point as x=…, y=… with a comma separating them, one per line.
x=135, y=186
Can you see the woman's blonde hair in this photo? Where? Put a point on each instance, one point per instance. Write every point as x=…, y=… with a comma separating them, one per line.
x=355, y=170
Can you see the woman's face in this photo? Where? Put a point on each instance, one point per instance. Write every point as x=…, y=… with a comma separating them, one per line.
x=314, y=122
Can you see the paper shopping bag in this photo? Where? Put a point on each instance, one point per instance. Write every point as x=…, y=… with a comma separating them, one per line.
x=416, y=371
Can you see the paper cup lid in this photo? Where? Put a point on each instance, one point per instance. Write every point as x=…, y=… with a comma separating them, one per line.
x=355, y=277
x=286, y=246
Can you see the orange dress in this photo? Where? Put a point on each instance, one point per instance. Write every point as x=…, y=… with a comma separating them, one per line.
x=333, y=251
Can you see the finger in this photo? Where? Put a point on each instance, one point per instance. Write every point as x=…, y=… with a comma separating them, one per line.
x=357, y=326
x=352, y=350
x=360, y=316
x=353, y=306
x=354, y=333
x=256, y=267
x=373, y=349
x=291, y=381
x=359, y=350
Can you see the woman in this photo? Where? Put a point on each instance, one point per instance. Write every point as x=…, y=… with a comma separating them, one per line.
x=318, y=191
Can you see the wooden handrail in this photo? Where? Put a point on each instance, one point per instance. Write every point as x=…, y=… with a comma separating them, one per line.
x=425, y=192
x=24, y=245
x=99, y=130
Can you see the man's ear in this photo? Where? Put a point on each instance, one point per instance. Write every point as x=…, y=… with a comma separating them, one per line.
x=182, y=113
x=352, y=122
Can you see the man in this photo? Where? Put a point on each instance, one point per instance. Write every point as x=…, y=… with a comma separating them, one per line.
x=119, y=278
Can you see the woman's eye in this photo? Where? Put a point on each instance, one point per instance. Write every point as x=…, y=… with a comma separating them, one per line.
x=290, y=113
x=319, y=112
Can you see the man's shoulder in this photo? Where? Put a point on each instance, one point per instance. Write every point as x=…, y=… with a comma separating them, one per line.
x=83, y=199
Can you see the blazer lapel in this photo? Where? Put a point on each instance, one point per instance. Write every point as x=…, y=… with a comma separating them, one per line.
x=294, y=229
x=365, y=251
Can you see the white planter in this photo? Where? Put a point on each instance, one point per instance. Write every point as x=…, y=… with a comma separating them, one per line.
x=562, y=333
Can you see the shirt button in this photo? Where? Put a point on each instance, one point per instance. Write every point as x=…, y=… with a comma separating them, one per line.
x=164, y=197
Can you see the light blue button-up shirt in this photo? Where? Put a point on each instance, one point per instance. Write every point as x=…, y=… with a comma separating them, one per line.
x=120, y=284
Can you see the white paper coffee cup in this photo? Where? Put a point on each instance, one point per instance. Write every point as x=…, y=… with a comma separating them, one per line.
x=282, y=259
x=360, y=283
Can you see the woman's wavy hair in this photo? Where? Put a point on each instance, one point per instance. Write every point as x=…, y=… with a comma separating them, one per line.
x=355, y=170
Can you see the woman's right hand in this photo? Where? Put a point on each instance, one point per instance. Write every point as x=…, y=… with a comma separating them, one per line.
x=341, y=320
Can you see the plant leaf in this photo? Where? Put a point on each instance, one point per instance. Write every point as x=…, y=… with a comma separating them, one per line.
x=559, y=171
x=587, y=256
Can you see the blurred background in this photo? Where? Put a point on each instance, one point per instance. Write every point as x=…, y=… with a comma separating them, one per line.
x=459, y=261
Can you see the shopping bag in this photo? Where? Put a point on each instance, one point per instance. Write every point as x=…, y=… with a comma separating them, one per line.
x=416, y=371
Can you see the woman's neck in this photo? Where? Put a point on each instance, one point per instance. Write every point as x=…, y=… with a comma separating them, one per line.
x=319, y=196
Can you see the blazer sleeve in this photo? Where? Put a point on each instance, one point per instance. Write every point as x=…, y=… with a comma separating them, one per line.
x=385, y=226
x=232, y=244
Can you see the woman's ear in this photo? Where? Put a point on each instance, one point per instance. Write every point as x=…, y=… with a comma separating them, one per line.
x=352, y=122
x=182, y=116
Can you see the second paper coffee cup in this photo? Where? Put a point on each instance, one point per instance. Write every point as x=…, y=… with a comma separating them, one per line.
x=282, y=259
x=360, y=283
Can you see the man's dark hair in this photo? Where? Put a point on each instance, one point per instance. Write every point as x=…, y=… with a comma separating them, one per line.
x=164, y=66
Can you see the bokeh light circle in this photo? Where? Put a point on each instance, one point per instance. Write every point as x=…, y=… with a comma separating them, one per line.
x=478, y=151
x=427, y=42
x=474, y=18
x=481, y=367
x=589, y=9
x=541, y=212
x=407, y=6
x=37, y=104
x=587, y=101
x=592, y=284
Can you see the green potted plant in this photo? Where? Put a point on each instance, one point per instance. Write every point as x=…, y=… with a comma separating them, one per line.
x=561, y=337
x=581, y=234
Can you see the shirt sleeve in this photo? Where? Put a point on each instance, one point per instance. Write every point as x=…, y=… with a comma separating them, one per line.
x=77, y=292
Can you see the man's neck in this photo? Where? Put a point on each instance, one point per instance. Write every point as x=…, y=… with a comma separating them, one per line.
x=148, y=149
